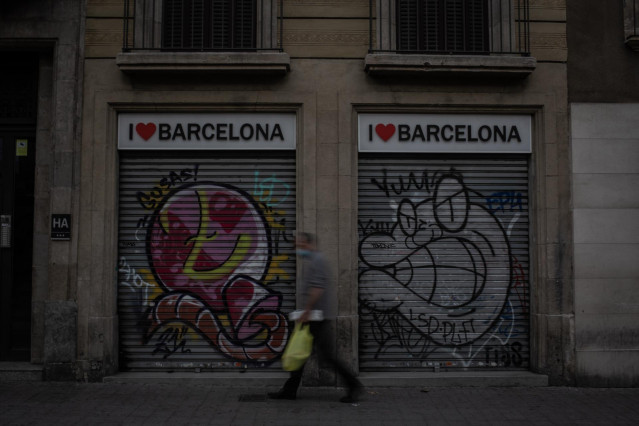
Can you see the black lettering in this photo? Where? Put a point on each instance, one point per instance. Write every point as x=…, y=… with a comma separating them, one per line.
x=449, y=331
x=194, y=131
x=432, y=130
x=418, y=133
x=364, y=228
x=130, y=131
x=208, y=131
x=232, y=136
x=448, y=128
x=485, y=133
x=277, y=132
x=460, y=135
x=370, y=132
x=514, y=134
x=174, y=178
x=403, y=132
x=501, y=132
x=246, y=135
x=432, y=325
x=178, y=132
x=384, y=185
x=145, y=200
x=221, y=132
x=470, y=135
x=261, y=131
x=164, y=133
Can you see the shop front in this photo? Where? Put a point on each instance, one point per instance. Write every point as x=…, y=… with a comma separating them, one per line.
x=206, y=253
x=443, y=241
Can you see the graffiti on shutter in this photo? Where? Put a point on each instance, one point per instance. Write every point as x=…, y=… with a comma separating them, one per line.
x=443, y=263
x=207, y=265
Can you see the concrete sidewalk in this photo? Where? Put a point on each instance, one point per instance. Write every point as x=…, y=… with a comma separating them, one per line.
x=46, y=403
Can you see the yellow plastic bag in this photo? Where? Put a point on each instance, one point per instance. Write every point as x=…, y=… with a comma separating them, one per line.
x=299, y=348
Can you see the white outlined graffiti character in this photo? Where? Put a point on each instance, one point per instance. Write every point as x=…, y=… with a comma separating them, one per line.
x=435, y=263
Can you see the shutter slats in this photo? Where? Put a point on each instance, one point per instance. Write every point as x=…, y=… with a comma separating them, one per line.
x=443, y=263
x=207, y=261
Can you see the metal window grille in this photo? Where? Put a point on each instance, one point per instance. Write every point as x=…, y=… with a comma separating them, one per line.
x=443, y=25
x=478, y=27
x=203, y=25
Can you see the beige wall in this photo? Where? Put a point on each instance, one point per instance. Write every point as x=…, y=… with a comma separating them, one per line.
x=327, y=85
x=605, y=165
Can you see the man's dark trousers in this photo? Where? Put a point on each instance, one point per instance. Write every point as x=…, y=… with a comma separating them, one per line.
x=323, y=347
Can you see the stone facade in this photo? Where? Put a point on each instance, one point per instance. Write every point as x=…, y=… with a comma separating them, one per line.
x=321, y=76
x=327, y=85
x=605, y=149
x=54, y=31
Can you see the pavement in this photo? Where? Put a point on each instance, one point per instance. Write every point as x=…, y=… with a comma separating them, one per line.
x=207, y=403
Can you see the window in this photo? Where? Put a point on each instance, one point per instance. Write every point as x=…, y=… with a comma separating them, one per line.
x=226, y=36
x=478, y=37
x=202, y=25
x=208, y=24
x=442, y=25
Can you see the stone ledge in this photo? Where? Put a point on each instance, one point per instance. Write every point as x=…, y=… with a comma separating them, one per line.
x=453, y=379
x=20, y=372
x=633, y=42
x=222, y=378
x=400, y=64
x=209, y=62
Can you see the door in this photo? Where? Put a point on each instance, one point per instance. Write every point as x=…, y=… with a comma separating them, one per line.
x=18, y=112
x=16, y=212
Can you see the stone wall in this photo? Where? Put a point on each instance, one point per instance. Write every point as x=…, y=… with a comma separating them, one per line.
x=327, y=85
x=605, y=152
x=53, y=30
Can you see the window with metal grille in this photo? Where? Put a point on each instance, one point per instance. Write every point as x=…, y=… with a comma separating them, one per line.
x=446, y=26
x=209, y=24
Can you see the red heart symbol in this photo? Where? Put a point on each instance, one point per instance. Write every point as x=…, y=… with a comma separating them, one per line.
x=145, y=130
x=385, y=131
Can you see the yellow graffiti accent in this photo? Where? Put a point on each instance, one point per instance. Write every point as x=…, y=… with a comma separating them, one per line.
x=238, y=255
x=154, y=290
x=224, y=320
x=274, y=269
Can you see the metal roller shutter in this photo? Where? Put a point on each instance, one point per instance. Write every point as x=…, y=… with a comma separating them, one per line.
x=443, y=263
x=206, y=260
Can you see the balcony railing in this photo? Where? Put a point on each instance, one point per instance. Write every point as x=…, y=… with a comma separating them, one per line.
x=450, y=27
x=203, y=25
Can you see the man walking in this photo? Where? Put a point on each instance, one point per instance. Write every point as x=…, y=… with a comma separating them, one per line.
x=315, y=283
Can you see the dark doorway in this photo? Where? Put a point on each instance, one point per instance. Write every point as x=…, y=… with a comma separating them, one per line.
x=18, y=106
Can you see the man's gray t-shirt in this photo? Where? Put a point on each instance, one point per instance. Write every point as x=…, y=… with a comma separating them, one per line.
x=315, y=273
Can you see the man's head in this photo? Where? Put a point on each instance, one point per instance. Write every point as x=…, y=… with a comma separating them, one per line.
x=305, y=241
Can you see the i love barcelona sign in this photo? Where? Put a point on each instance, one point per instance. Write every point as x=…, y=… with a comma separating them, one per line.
x=445, y=133
x=199, y=130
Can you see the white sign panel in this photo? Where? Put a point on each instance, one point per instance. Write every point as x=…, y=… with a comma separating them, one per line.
x=206, y=131
x=445, y=133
